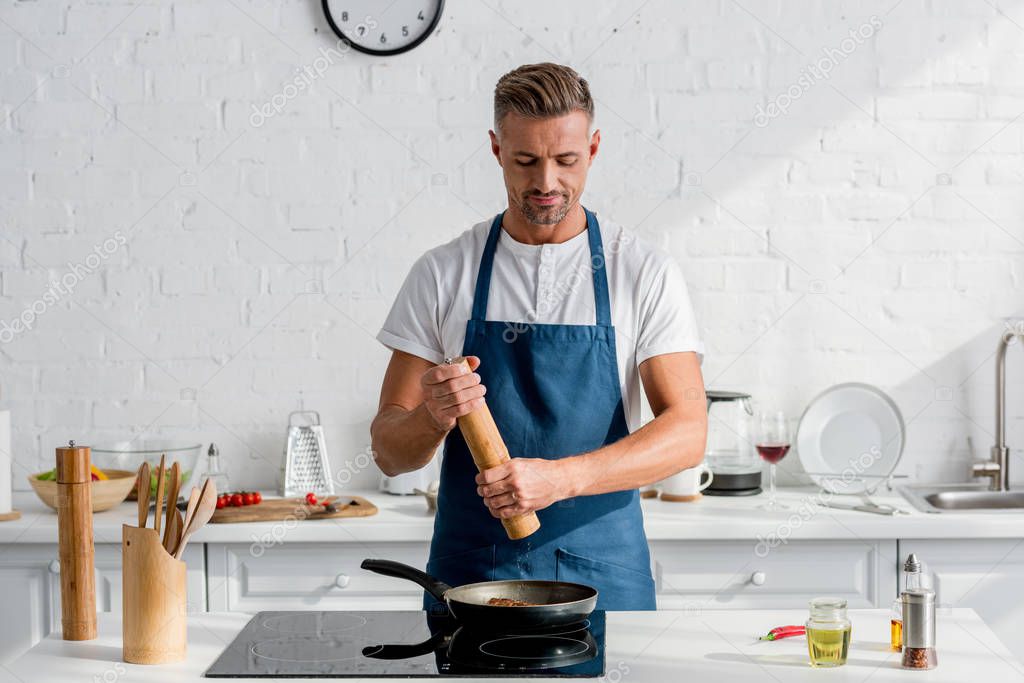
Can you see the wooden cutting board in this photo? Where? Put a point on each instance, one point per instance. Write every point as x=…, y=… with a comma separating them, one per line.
x=281, y=509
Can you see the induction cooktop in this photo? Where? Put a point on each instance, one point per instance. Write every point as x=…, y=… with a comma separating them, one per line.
x=405, y=644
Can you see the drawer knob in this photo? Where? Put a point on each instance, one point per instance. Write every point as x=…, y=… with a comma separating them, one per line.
x=758, y=578
x=341, y=580
x=54, y=566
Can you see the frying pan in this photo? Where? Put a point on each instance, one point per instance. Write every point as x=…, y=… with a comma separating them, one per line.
x=554, y=603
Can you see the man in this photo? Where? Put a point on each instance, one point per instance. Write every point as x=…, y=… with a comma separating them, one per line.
x=561, y=318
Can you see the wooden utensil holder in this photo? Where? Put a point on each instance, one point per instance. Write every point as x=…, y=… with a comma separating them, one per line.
x=154, y=611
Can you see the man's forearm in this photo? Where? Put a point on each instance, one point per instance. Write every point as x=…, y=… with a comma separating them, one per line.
x=404, y=440
x=667, y=444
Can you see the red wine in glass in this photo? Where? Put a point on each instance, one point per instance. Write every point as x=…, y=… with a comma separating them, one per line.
x=772, y=452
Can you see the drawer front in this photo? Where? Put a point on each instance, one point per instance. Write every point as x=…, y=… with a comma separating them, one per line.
x=109, y=580
x=310, y=576
x=740, y=575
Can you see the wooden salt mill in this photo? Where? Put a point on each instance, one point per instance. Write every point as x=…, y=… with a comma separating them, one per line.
x=488, y=450
x=77, y=552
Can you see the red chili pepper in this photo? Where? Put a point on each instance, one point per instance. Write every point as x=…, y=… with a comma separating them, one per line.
x=780, y=632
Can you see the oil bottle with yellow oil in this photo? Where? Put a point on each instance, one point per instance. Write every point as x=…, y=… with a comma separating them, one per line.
x=828, y=632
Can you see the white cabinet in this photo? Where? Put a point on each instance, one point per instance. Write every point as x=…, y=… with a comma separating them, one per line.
x=693, y=575
x=25, y=587
x=689, y=575
x=244, y=577
x=30, y=586
x=986, y=575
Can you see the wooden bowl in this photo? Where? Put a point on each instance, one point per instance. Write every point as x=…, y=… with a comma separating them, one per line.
x=105, y=494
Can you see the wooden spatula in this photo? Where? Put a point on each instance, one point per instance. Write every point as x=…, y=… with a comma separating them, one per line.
x=172, y=500
x=204, y=509
x=142, y=494
x=159, y=496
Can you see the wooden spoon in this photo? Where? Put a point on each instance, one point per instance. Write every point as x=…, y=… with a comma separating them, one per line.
x=172, y=500
x=190, y=511
x=172, y=534
x=204, y=509
x=157, y=518
x=142, y=494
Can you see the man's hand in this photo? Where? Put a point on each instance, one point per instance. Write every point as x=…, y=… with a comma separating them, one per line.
x=449, y=394
x=522, y=485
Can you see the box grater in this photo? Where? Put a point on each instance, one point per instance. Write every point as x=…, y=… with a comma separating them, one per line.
x=305, y=466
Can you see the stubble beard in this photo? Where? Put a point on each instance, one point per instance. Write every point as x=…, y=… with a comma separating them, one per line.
x=544, y=215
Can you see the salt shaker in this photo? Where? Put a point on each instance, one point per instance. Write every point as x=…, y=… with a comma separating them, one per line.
x=919, y=629
x=214, y=471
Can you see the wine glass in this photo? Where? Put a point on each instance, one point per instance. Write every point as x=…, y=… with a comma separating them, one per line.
x=772, y=445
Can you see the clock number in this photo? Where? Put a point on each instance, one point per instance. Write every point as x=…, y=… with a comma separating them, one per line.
x=365, y=33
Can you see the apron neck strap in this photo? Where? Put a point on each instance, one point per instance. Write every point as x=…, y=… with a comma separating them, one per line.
x=602, y=303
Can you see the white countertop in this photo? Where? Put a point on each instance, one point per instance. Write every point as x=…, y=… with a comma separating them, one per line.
x=405, y=519
x=641, y=646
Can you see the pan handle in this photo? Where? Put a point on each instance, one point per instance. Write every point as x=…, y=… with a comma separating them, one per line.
x=387, y=651
x=435, y=587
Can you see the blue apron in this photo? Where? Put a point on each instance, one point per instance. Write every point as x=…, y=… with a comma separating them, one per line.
x=554, y=392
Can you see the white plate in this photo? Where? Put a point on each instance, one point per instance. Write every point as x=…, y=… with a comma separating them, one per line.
x=850, y=437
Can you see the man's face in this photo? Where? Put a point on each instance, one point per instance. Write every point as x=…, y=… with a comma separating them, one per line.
x=545, y=163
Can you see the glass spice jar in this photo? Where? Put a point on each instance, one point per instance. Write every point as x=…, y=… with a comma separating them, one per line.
x=919, y=629
x=828, y=632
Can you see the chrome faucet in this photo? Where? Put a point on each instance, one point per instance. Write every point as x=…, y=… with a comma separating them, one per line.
x=997, y=469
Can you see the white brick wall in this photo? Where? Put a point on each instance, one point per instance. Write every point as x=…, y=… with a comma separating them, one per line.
x=872, y=232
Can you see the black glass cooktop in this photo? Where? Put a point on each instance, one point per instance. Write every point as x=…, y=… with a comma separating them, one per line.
x=405, y=645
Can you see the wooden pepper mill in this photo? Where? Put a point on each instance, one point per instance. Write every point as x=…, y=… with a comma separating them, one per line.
x=77, y=552
x=488, y=450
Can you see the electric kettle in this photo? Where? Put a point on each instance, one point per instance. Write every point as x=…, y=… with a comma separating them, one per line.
x=730, y=447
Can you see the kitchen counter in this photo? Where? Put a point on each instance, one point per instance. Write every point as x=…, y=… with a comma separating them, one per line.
x=641, y=647
x=404, y=519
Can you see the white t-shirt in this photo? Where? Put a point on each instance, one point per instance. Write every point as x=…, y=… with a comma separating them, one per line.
x=548, y=283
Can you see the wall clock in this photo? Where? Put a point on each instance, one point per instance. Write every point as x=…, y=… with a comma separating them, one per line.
x=382, y=28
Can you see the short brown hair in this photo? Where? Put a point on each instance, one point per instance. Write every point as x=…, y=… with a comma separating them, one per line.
x=540, y=91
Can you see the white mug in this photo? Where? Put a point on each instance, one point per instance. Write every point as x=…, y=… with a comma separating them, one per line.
x=687, y=484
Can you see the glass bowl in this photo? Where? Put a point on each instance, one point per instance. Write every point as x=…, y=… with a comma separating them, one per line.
x=129, y=455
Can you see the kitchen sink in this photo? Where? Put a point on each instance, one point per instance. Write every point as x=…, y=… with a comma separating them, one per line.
x=962, y=498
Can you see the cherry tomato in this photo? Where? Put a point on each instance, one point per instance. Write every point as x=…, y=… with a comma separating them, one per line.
x=311, y=498
x=236, y=500
x=257, y=497
x=222, y=502
x=249, y=498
